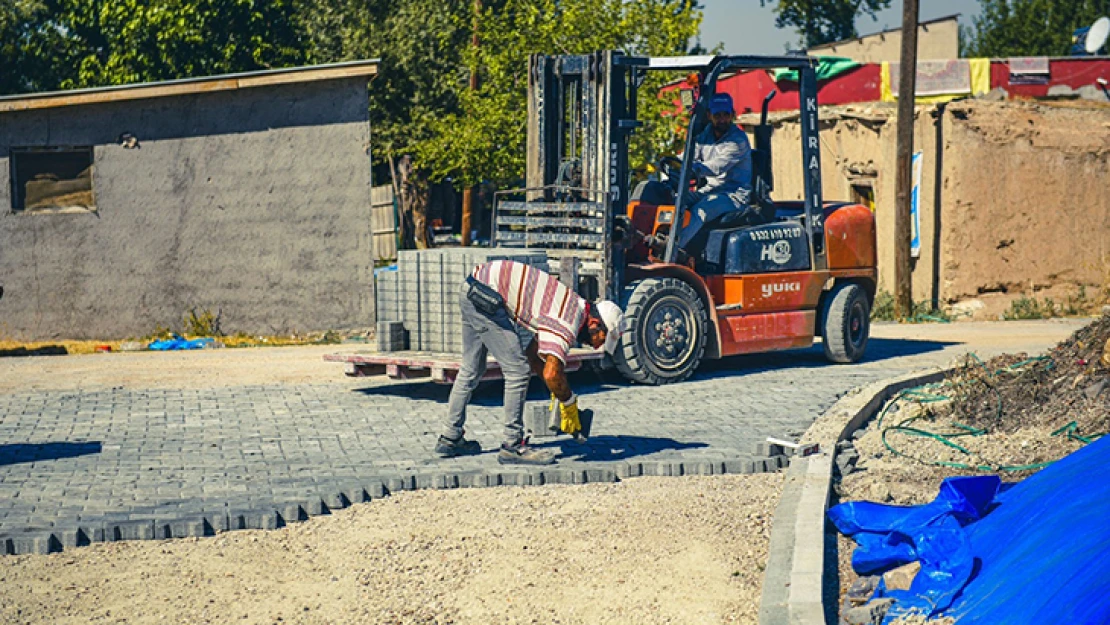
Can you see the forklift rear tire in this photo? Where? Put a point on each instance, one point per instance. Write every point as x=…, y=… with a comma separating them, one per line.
x=666, y=332
x=847, y=323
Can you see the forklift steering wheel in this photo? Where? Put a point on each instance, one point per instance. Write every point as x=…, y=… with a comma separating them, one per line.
x=671, y=166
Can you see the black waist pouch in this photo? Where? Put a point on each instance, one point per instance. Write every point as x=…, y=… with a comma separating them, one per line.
x=484, y=297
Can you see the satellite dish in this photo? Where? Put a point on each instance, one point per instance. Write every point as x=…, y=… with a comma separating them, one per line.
x=1096, y=35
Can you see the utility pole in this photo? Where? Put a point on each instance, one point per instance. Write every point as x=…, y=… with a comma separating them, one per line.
x=903, y=184
x=468, y=193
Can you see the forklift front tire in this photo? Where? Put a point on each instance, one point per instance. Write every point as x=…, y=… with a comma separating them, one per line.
x=847, y=318
x=667, y=326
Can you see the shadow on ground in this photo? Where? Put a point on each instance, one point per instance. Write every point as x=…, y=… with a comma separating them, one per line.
x=46, y=350
x=32, y=452
x=611, y=448
x=594, y=381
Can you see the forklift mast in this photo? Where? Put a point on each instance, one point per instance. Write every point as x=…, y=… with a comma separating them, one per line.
x=581, y=110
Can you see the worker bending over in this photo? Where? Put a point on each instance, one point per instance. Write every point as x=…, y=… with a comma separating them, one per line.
x=499, y=296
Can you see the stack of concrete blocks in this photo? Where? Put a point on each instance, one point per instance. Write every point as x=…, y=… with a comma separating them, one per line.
x=391, y=336
x=391, y=333
x=423, y=293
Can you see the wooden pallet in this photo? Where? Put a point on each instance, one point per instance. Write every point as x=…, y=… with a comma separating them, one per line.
x=438, y=367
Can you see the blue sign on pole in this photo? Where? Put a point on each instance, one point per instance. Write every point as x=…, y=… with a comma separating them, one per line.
x=915, y=215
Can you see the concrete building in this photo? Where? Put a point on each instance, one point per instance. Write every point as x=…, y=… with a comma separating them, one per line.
x=123, y=208
x=936, y=39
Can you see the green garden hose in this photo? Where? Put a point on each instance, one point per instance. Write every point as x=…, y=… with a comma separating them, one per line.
x=930, y=393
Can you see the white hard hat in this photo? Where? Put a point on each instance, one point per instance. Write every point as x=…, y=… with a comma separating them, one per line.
x=613, y=317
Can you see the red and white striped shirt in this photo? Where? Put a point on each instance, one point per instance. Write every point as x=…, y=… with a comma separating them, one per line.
x=538, y=301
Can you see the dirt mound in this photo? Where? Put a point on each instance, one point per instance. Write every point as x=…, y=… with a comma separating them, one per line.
x=1011, y=415
x=1069, y=384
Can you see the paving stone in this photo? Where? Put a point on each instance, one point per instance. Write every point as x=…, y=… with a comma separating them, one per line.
x=261, y=519
x=71, y=537
x=38, y=543
x=137, y=529
x=237, y=457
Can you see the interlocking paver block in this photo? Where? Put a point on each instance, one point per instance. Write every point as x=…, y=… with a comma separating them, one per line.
x=112, y=462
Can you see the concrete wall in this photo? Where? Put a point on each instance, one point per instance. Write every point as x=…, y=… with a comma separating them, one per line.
x=935, y=40
x=253, y=202
x=1027, y=201
x=1022, y=203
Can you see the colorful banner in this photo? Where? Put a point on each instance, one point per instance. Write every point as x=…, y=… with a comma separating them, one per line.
x=940, y=81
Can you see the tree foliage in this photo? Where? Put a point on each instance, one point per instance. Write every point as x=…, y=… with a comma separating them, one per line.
x=485, y=139
x=64, y=44
x=1007, y=28
x=420, y=43
x=824, y=21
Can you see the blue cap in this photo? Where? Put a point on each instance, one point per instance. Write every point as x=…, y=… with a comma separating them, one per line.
x=721, y=103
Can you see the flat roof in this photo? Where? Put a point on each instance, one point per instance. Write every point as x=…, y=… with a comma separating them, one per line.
x=920, y=23
x=186, y=86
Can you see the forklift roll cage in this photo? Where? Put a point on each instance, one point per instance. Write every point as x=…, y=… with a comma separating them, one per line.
x=581, y=113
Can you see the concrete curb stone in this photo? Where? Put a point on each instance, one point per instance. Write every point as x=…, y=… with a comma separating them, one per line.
x=793, y=582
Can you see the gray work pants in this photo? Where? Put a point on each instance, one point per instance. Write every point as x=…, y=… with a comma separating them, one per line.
x=484, y=336
x=704, y=208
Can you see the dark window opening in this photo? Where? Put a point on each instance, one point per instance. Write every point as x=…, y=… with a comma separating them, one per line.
x=52, y=180
x=863, y=193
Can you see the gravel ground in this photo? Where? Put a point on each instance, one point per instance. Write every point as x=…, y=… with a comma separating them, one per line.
x=648, y=550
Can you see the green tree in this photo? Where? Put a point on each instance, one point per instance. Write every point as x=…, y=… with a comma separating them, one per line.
x=485, y=139
x=824, y=21
x=64, y=44
x=1029, y=27
x=32, y=52
x=420, y=43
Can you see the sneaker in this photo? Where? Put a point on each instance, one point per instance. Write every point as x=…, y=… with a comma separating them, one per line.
x=447, y=448
x=521, y=453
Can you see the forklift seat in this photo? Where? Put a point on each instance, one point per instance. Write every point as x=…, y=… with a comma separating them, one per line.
x=653, y=192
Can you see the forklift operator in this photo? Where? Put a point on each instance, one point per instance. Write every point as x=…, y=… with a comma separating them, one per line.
x=496, y=298
x=723, y=159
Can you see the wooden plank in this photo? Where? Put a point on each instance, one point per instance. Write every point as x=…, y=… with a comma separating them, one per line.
x=440, y=368
x=362, y=370
x=430, y=360
x=383, y=222
x=382, y=194
x=211, y=84
x=308, y=76
x=123, y=94
x=402, y=372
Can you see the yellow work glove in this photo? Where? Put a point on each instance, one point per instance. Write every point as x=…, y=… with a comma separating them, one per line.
x=569, y=422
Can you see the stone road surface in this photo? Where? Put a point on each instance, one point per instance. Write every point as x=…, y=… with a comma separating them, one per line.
x=136, y=461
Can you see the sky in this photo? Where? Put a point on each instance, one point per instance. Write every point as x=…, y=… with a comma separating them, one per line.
x=747, y=28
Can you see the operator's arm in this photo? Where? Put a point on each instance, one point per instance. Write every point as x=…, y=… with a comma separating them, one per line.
x=723, y=157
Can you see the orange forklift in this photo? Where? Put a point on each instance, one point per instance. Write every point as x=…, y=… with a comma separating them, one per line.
x=804, y=269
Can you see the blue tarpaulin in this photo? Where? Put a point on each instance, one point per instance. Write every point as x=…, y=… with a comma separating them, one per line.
x=179, y=343
x=1030, y=553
